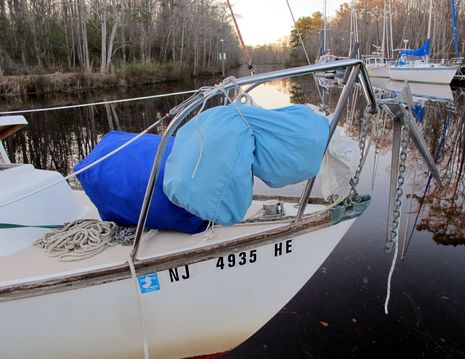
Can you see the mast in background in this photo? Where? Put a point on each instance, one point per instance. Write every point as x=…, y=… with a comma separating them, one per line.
x=353, y=38
x=324, y=28
x=454, y=28
x=428, y=37
x=391, y=55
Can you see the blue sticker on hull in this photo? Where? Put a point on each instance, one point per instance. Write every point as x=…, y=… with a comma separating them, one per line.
x=148, y=283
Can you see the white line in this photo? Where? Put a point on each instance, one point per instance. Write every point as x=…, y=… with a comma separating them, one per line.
x=98, y=103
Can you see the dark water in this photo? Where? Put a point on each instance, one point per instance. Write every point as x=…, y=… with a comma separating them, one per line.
x=339, y=313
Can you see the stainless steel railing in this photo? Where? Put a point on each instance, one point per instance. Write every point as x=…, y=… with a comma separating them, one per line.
x=357, y=72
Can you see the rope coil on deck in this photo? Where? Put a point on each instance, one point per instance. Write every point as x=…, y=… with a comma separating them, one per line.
x=83, y=239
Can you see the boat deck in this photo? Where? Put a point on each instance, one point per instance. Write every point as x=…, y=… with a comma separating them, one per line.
x=32, y=263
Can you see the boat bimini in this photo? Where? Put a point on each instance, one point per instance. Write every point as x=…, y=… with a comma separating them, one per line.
x=170, y=294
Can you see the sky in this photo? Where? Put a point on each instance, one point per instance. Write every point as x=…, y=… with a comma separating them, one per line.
x=266, y=21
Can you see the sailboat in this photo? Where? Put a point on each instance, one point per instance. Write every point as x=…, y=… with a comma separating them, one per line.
x=414, y=65
x=325, y=55
x=170, y=294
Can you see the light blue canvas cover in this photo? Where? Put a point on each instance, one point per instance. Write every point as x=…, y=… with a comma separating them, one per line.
x=220, y=190
x=281, y=146
x=289, y=143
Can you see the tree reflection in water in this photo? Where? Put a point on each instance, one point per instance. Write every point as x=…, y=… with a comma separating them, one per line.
x=442, y=212
x=443, y=207
x=57, y=140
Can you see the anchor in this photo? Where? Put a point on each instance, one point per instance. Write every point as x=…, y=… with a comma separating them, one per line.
x=405, y=128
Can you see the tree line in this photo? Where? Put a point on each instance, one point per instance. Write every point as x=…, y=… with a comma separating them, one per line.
x=409, y=22
x=40, y=36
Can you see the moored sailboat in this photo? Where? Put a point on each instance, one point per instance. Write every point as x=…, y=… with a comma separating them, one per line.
x=409, y=68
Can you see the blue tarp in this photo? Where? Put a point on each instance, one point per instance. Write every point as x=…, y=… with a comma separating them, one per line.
x=423, y=50
x=419, y=112
x=214, y=178
x=117, y=185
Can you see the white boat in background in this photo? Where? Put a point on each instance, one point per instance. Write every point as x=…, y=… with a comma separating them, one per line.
x=422, y=71
x=170, y=295
x=435, y=92
x=415, y=65
x=377, y=66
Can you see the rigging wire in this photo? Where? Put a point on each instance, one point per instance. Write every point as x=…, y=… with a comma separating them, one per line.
x=244, y=48
x=99, y=103
x=298, y=32
x=305, y=51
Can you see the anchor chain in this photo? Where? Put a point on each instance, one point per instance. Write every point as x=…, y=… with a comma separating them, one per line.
x=394, y=232
x=353, y=194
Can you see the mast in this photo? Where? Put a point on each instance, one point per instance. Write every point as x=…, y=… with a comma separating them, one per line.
x=384, y=30
x=454, y=28
x=351, y=29
x=430, y=17
x=391, y=55
x=324, y=28
x=429, y=25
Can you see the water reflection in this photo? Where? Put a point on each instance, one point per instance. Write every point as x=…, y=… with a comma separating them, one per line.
x=58, y=140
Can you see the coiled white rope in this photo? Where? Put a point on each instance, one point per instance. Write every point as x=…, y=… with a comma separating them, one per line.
x=98, y=103
x=79, y=240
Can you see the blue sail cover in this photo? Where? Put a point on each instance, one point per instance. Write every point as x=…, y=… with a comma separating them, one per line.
x=289, y=143
x=423, y=50
x=215, y=155
x=209, y=171
x=117, y=185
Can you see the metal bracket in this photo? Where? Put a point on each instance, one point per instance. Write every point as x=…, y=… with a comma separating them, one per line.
x=403, y=112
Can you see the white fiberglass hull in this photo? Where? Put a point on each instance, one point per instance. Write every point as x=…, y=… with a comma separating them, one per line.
x=206, y=307
x=379, y=71
x=426, y=74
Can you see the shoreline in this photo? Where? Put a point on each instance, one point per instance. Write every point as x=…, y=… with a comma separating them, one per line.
x=78, y=82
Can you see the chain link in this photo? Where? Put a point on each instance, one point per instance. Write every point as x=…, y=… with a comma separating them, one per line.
x=367, y=116
x=394, y=233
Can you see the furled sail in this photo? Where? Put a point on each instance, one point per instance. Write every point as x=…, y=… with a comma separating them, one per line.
x=423, y=50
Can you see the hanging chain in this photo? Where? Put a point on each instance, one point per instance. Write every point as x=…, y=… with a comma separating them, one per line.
x=367, y=116
x=394, y=233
